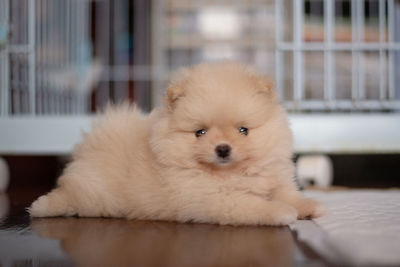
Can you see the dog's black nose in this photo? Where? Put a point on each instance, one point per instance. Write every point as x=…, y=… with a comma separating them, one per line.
x=223, y=151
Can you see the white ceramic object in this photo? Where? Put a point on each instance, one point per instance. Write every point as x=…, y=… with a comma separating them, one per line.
x=4, y=175
x=314, y=170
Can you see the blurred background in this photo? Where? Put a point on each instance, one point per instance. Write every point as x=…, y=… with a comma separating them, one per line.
x=336, y=65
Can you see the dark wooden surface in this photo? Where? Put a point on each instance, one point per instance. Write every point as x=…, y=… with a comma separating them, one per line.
x=119, y=242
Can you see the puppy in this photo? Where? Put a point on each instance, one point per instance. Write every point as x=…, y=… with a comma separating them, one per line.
x=219, y=151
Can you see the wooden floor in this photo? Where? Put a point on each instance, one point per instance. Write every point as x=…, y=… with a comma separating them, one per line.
x=118, y=242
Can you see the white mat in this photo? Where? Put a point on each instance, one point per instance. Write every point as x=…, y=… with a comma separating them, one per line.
x=361, y=227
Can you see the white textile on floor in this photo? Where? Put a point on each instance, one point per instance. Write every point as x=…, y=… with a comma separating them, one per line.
x=361, y=227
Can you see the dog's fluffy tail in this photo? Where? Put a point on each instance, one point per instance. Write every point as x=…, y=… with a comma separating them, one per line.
x=53, y=204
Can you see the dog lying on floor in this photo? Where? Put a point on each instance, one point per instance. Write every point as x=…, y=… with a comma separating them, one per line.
x=219, y=151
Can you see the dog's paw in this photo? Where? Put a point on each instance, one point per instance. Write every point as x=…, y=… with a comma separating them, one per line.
x=309, y=208
x=39, y=207
x=283, y=214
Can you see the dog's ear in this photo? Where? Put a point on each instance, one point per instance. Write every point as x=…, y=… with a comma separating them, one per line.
x=176, y=88
x=265, y=85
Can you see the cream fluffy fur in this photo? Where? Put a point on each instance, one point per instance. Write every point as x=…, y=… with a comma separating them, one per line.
x=155, y=167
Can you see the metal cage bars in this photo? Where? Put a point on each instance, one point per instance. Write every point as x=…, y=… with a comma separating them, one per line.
x=4, y=60
x=75, y=22
x=357, y=47
x=44, y=56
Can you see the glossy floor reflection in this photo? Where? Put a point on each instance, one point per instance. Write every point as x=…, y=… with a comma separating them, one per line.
x=111, y=242
x=119, y=242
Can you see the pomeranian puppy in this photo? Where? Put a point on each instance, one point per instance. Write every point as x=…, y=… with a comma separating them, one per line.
x=219, y=151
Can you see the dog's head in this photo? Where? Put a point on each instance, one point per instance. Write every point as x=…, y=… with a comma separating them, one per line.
x=220, y=115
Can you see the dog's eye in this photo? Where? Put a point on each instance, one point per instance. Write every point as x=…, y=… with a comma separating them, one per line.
x=243, y=130
x=200, y=132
